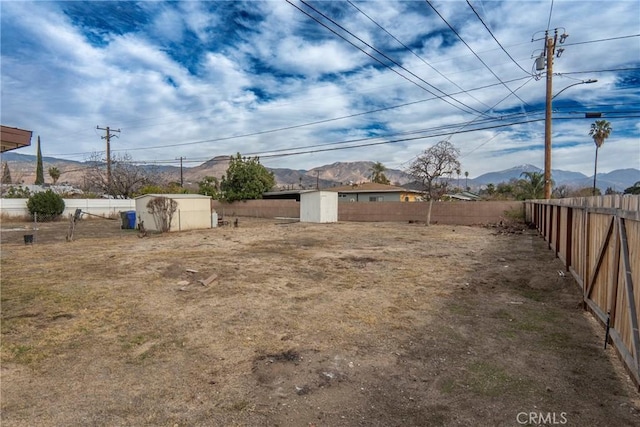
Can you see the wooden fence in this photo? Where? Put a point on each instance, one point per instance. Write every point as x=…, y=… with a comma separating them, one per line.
x=598, y=239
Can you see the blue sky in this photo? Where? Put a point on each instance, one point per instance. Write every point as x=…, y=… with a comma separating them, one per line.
x=202, y=79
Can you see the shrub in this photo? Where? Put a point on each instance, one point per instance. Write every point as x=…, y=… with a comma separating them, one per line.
x=46, y=205
x=18, y=193
x=162, y=209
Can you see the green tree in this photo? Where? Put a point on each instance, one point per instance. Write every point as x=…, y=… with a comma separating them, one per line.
x=6, y=173
x=54, y=173
x=39, y=168
x=47, y=205
x=600, y=130
x=245, y=179
x=531, y=187
x=377, y=174
x=209, y=186
x=634, y=189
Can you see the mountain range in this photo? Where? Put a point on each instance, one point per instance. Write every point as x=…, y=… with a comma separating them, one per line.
x=23, y=166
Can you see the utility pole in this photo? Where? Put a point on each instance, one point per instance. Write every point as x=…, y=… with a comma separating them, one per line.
x=550, y=47
x=108, y=136
x=549, y=53
x=317, y=180
x=181, y=179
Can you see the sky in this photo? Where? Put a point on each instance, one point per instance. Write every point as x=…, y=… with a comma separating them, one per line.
x=303, y=84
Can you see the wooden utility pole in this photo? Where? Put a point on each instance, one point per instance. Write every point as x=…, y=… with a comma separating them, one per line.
x=181, y=179
x=108, y=138
x=550, y=47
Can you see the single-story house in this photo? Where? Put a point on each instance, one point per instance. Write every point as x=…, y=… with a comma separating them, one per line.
x=374, y=192
x=285, y=194
x=466, y=196
x=193, y=212
x=13, y=138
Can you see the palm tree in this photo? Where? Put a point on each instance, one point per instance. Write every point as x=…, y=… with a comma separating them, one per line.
x=600, y=130
x=466, y=180
x=54, y=173
x=377, y=173
x=532, y=186
x=458, y=173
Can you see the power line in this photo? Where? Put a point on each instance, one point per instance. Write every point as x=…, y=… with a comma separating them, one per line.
x=383, y=55
x=474, y=53
x=415, y=54
x=263, y=132
x=333, y=146
x=603, y=71
x=603, y=40
x=550, y=13
x=494, y=37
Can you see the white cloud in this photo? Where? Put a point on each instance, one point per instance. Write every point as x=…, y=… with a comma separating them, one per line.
x=286, y=71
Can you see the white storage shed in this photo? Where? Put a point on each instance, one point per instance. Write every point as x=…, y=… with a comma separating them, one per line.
x=193, y=212
x=319, y=206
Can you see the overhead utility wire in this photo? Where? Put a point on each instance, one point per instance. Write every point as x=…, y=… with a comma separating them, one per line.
x=290, y=127
x=393, y=141
x=602, y=40
x=445, y=95
x=415, y=54
x=550, y=13
x=474, y=53
x=415, y=138
x=266, y=154
x=494, y=106
x=432, y=129
x=496, y=40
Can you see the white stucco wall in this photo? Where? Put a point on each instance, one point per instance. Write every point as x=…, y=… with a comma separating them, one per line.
x=193, y=212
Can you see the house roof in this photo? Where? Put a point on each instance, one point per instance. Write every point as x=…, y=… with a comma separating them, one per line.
x=176, y=196
x=370, y=187
x=14, y=138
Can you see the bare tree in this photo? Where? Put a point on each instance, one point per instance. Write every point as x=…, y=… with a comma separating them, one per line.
x=431, y=166
x=162, y=209
x=127, y=178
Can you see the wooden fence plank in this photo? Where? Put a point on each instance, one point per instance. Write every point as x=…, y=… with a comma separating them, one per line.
x=599, y=259
x=628, y=283
x=598, y=239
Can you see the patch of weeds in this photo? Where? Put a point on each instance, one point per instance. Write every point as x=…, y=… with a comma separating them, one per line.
x=501, y=314
x=487, y=379
x=447, y=386
x=285, y=356
x=131, y=342
x=538, y=295
x=24, y=354
x=515, y=214
x=529, y=325
x=459, y=309
x=557, y=339
x=240, y=405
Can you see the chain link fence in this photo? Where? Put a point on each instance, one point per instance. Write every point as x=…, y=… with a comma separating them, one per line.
x=43, y=229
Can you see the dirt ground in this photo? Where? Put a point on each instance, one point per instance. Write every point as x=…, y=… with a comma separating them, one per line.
x=347, y=324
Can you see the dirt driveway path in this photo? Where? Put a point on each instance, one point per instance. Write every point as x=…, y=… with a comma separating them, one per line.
x=346, y=324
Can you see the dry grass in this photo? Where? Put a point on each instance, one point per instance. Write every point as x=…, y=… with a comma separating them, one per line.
x=334, y=324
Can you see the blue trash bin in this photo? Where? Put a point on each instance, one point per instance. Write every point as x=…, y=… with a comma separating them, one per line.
x=131, y=217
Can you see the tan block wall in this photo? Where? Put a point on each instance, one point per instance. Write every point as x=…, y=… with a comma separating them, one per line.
x=454, y=213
